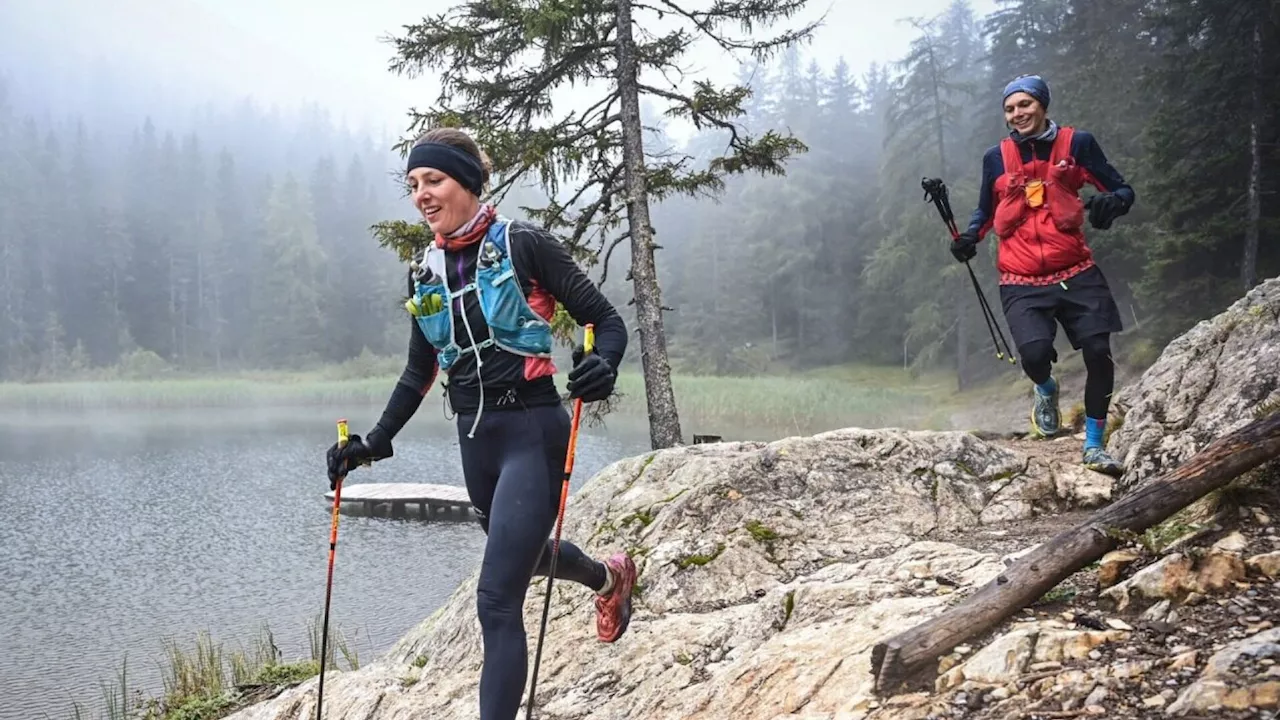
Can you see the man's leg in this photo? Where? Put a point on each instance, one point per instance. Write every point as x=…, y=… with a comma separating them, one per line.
x=1089, y=315
x=1029, y=311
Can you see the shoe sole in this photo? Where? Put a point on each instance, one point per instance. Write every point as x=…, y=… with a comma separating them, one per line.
x=1112, y=470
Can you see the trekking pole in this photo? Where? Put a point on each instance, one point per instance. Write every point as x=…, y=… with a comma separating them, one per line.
x=333, y=545
x=587, y=344
x=936, y=191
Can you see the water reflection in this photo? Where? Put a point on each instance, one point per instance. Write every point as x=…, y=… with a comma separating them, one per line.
x=124, y=529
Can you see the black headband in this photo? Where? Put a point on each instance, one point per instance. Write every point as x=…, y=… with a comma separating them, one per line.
x=452, y=161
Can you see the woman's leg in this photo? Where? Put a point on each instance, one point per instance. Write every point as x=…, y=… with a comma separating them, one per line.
x=613, y=579
x=521, y=516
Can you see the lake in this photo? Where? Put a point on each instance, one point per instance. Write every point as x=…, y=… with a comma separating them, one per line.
x=123, y=529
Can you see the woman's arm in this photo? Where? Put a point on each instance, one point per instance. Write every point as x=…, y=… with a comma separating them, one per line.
x=550, y=265
x=415, y=381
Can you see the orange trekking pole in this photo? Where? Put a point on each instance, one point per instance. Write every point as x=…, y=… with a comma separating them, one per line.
x=333, y=546
x=587, y=344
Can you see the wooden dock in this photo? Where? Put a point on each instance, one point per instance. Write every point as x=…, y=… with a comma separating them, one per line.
x=430, y=499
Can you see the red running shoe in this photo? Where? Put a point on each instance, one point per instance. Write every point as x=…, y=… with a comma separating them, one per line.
x=613, y=611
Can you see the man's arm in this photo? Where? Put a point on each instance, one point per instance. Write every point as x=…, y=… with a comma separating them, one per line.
x=1098, y=171
x=983, y=216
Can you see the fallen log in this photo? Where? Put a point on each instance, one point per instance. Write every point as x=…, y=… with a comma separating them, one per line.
x=895, y=660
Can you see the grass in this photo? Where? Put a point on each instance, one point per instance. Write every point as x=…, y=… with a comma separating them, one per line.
x=208, y=681
x=825, y=398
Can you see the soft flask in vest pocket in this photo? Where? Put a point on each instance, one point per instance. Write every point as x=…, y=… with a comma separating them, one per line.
x=1035, y=193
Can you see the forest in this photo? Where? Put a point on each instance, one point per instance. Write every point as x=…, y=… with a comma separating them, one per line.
x=233, y=238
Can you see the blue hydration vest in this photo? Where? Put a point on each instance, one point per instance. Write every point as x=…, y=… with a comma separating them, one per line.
x=513, y=325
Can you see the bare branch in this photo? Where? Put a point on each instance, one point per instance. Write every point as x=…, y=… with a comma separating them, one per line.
x=604, y=270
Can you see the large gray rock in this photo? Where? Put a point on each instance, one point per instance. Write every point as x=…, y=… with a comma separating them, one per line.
x=1212, y=380
x=768, y=572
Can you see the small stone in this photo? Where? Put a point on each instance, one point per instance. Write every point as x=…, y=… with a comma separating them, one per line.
x=1095, y=655
x=1260, y=517
x=1042, y=666
x=1233, y=543
x=1193, y=598
x=1267, y=564
x=1112, y=565
x=1095, y=710
x=1157, y=612
x=1118, y=624
x=1183, y=660
x=1154, y=701
x=1168, y=695
x=1095, y=698
x=1252, y=619
x=1173, y=617
x=962, y=649
x=960, y=699
x=1000, y=693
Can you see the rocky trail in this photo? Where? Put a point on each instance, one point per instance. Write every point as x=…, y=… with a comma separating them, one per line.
x=769, y=571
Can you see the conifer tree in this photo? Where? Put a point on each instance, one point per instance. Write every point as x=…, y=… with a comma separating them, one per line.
x=487, y=88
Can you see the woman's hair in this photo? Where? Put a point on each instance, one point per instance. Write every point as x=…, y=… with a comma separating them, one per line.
x=462, y=141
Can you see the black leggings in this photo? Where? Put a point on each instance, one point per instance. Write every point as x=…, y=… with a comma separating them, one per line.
x=1038, y=357
x=513, y=469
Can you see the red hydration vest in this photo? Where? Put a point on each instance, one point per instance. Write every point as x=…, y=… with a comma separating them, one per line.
x=1039, y=217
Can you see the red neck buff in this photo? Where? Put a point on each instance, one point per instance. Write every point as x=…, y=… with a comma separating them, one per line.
x=471, y=232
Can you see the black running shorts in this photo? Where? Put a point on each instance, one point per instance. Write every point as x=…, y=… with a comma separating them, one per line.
x=1083, y=304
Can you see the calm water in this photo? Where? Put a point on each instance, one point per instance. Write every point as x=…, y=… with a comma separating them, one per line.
x=119, y=531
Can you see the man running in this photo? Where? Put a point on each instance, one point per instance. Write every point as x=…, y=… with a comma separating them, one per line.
x=1029, y=196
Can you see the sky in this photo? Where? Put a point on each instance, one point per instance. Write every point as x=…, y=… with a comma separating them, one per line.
x=333, y=52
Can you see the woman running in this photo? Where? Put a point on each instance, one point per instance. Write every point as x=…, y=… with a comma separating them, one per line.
x=482, y=296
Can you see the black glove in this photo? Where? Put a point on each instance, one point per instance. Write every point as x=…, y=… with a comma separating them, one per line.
x=1104, y=208
x=357, y=452
x=592, y=377
x=965, y=246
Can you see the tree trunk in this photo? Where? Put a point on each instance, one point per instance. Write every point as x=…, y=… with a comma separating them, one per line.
x=664, y=421
x=1249, y=264
x=901, y=656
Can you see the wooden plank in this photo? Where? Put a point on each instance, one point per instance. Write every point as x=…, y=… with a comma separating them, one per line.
x=401, y=493
x=901, y=656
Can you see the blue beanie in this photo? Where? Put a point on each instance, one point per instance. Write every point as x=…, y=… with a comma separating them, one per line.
x=1032, y=85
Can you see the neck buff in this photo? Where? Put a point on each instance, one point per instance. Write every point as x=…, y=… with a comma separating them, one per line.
x=470, y=232
x=1048, y=135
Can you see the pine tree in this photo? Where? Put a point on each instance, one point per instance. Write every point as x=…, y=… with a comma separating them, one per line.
x=507, y=103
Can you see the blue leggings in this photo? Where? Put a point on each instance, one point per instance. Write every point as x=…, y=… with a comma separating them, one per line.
x=513, y=469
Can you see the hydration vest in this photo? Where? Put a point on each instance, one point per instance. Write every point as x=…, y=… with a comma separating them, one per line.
x=513, y=324
x=1039, y=216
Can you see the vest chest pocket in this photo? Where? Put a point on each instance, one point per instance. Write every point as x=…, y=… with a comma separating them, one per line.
x=502, y=300
x=434, y=315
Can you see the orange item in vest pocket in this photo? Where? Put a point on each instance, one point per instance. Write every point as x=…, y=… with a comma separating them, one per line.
x=1035, y=193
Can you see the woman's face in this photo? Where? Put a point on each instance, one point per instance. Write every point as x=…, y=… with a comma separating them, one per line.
x=1024, y=114
x=443, y=202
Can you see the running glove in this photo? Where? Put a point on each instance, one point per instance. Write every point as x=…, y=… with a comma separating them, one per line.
x=1104, y=208
x=357, y=451
x=964, y=248
x=592, y=377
